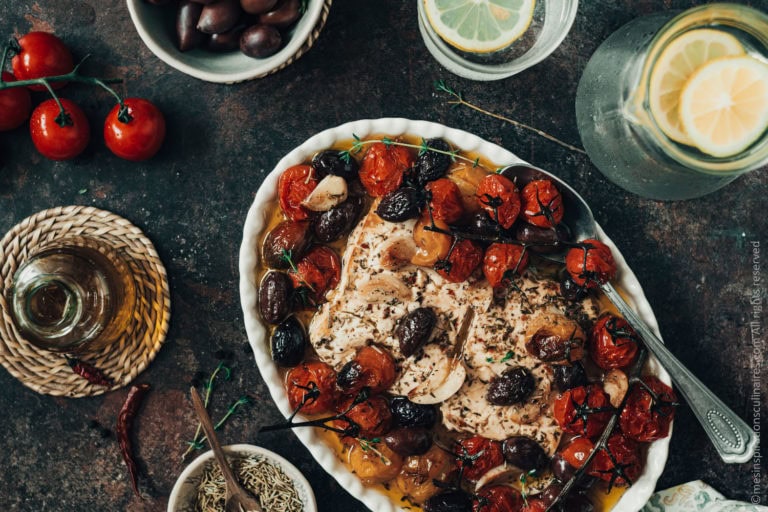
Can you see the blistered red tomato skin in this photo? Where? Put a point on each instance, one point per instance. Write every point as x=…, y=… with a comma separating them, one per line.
x=15, y=105
x=491, y=457
x=377, y=369
x=500, y=259
x=293, y=186
x=577, y=450
x=534, y=505
x=319, y=271
x=644, y=419
x=58, y=142
x=498, y=498
x=462, y=261
x=372, y=416
x=311, y=374
x=445, y=200
x=141, y=137
x=626, y=455
x=612, y=342
x=42, y=55
x=500, y=198
x=383, y=168
x=591, y=265
x=592, y=397
x=542, y=204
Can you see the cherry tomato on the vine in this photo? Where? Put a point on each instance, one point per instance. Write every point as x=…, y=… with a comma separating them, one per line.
x=465, y=257
x=372, y=367
x=577, y=450
x=498, y=498
x=319, y=271
x=592, y=264
x=622, y=466
x=445, y=200
x=478, y=455
x=372, y=416
x=646, y=418
x=294, y=185
x=56, y=136
x=136, y=131
x=500, y=198
x=583, y=410
x=501, y=259
x=42, y=55
x=383, y=168
x=612, y=342
x=542, y=204
x=313, y=382
x=15, y=105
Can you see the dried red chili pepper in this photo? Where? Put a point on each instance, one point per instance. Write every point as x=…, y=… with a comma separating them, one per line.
x=89, y=372
x=124, y=422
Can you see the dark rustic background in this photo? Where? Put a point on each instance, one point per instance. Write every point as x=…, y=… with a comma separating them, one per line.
x=692, y=257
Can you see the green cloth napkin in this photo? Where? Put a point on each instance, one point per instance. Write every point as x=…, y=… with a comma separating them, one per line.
x=696, y=496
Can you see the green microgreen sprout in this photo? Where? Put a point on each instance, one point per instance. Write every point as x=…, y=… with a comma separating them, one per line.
x=458, y=100
x=509, y=355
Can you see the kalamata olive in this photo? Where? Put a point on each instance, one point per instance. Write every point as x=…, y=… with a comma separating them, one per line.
x=226, y=41
x=285, y=14
x=401, y=204
x=409, y=441
x=525, y=453
x=567, y=377
x=454, y=500
x=554, y=344
x=219, y=16
x=338, y=221
x=481, y=224
x=570, y=290
x=350, y=374
x=275, y=297
x=287, y=238
x=536, y=235
x=257, y=6
x=412, y=415
x=331, y=162
x=415, y=329
x=431, y=165
x=204, y=2
x=551, y=492
x=260, y=41
x=514, y=386
x=289, y=341
x=187, y=35
x=560, y=468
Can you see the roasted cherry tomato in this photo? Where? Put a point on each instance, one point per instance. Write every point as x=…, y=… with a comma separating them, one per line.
x=503, y=260
x=577, y=450
x=542, y=204
x=42, y=55
x=59, y=137
x=15, y=105
x=465, y=257
x=136, y=131
x=372, y=367
x=314, y=380
x=590, y=265
x=478, y=455
x=445, y=200
x=318, y=271
x=294, y=185
x=500, y=198
x=647, y=417
x=372, y=416
x=612, y=342
x=583, y=410
x=625, y=454
x=498, y=498
x=534, y=505
x=383, y=168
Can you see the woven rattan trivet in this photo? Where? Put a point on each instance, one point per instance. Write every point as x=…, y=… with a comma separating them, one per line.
x=308, y=43
x=48, y=372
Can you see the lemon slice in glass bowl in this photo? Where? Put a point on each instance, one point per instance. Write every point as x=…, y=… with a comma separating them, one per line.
x=724, y=105
x=679, y=60
x=479, y=26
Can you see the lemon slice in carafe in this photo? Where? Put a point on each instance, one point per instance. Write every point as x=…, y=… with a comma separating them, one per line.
x=479, y=26
x=724, y=105
x=677, y=62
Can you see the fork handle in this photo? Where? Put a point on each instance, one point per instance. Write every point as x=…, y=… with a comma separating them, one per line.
x=734, y=441
x=210, y=433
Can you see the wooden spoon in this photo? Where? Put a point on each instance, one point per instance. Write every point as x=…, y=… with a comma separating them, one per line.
x=238, y=498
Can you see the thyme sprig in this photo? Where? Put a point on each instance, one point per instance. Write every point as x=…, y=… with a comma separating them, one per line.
x=358, y=144
x=458, y=100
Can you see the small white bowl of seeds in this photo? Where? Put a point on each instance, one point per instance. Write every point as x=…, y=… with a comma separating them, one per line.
x=278, y=484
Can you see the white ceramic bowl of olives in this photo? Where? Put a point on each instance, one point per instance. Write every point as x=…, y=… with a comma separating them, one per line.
x=225, y=41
